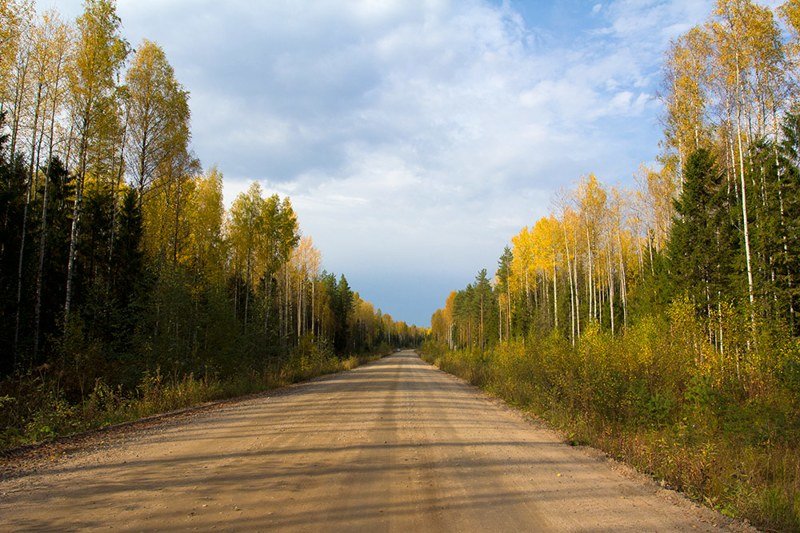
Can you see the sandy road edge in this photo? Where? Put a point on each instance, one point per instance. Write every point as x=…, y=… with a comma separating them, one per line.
x=697, y=509
x=24, y=460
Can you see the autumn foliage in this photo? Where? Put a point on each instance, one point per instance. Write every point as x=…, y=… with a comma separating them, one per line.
x=126, y=285
x=660, y=322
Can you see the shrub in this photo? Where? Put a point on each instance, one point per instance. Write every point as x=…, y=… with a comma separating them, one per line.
x=721, y=423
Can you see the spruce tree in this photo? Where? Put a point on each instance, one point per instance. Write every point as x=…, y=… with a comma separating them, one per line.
x=703, y=242
x=343, y=302
x=788, y=189
x=129, y=263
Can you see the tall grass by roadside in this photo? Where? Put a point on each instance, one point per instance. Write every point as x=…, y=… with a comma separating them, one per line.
x=722, y=428
x=35, y=409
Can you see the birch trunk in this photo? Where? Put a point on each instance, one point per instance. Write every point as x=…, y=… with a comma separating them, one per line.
x=745, y=223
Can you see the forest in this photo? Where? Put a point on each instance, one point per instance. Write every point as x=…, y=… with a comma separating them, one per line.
x=660, y=322
x=126, y=285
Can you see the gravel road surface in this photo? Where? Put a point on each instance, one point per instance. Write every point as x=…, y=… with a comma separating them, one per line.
x=396, y=445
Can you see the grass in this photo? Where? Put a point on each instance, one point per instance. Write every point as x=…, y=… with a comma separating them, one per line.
x=39, y=411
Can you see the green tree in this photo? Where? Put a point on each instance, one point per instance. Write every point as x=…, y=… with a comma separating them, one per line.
x=503, y=289
x=485, y=308
x=702, y=245
x=56, y=196
x=13, y=182
x=343, y=307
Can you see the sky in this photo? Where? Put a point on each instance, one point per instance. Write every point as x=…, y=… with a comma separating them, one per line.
x=415, y=138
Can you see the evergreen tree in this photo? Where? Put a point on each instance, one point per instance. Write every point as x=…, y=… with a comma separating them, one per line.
x=129, y=260
x=13, y=180
x=343, y=308
x=786, y=228
x=484, y=309
x=52, y=254
x=503, y=290
x=703, y=242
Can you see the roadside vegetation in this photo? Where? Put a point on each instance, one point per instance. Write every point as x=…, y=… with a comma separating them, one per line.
x=126, y=286
x=661, y=323
x=36, y=410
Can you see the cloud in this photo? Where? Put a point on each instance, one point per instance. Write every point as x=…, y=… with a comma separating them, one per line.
x=415, y=138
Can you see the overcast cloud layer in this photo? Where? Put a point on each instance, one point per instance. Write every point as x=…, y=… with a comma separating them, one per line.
x=415, y=138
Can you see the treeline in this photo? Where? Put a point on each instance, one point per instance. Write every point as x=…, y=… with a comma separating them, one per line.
x=661, y=322
x=118, y=258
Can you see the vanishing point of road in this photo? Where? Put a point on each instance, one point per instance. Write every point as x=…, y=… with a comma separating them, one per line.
x=396, y=445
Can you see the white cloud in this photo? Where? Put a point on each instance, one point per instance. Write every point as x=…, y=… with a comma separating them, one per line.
x=414, y=138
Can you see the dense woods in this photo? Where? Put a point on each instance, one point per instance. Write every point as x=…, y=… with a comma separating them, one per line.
x=661, y=322
x=123, y=277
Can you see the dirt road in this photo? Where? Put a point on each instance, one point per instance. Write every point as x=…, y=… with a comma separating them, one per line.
x=395, y=445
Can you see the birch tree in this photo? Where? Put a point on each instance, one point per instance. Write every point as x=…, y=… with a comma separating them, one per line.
x=157, y=115
x=99, y=55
